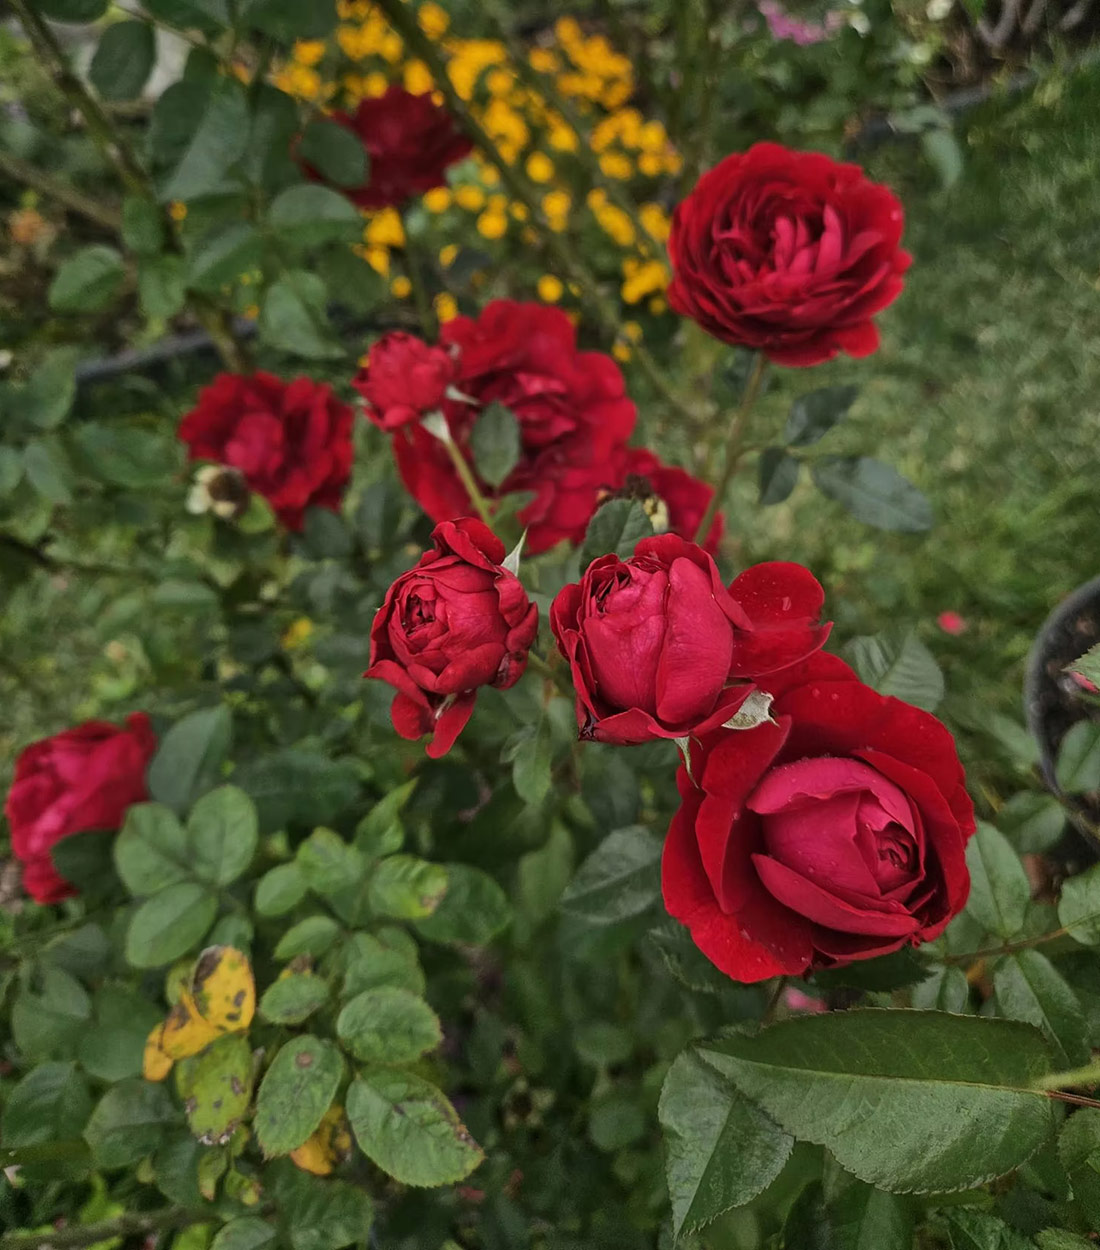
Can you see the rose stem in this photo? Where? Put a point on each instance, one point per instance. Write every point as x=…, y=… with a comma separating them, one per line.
x=468, y=481
x=734, y=445
x=414, y=257
x=115, y=147
x=571, y=265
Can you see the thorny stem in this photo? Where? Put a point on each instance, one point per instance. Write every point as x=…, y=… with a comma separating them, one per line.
x=429, y=325
x=75, y=200
x=734, y=446
x=467, y=478
x=75, y=1235
x=1008, y=948
x=116, y=148
x=570, y=264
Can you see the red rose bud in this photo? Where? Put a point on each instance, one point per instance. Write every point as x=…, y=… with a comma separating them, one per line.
x=404, y=378
x=290, y=441
x=573, y=412
x=789, y=253
x=78, y=781
x=656, y=644
x=674, y=500
x=456, y=621
x=410, y=140
x=835, y=834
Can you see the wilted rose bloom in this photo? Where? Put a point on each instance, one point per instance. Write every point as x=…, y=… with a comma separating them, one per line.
x=79, y=781
x=790, y=253
x=404, y=379
x=291, y=441
x=410, y=140
x=456, y=621
x=836, y=833
x=659, y=648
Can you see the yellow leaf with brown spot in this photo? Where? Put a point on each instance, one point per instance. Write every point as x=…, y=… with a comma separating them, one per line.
x=223, y=989
x=328, y=1146
x=185, y=1032
x=155, y=1064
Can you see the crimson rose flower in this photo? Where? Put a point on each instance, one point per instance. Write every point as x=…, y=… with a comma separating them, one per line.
x=835, y=834
x=674, y=500
x=573, y=412
x=75, y=782
x=291, y=441
x=404, y=378
x=410, y=141
x=659, y=648
x=454, y=622
x=787, y=252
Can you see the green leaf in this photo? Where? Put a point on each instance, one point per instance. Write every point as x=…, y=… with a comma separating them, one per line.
x=777, y=474
x=50, y=1024
x=495, y=443
x=295, y=786
x=128, y=1123
x=11, y=470
x=219, y=141
x=216, y=1088
x=223, y=833
x=151, y=850
x=335, y=152
x=220, y=258
x=886, y=972
x=619, y=880
x=978, y=1230
x=1078, y=768
x=999, y=889
x=168, y=925
x=898, y=664
x=814, y=414
x=1032, y=822
x=326, y=535
x=280, y=890
x=312, y=936
x=1059, y=1239
x=1079, y=1152
x=296, y=1092
x=328, y=864
x=125, y=455
x=293, y=318
x=407, y=888
x=190, y=757
x=372, y=962
x=88, y=281
x=47, y=398
x=388, y=1025
x=684, y=960
x=292, y=999
x=72, y=10
x=51, y=1103
x=865, y=1218
x=721, y=1151
x=944, y=1102
x=1088, y=666
x=85, y=860
x=112, y=1050
x=409, y=1129
x=288, y=19
x=47, y=472
x=320, y=1214
x=943, y=153
x=310, y=214
x=1079, y=907
x=246, y=1232
x=947, y=989
x=1029, y=988
x=143, y=229
x=473, y=910
x=124, y=60
x=379, y=833
x=531, y=767
x=617, y=528
x=873, y=493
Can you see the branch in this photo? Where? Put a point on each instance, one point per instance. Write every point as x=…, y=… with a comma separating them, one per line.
x=734, y=446
x=75, y=200
x=74, y=1235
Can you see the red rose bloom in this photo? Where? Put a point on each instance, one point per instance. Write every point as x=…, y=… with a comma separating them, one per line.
x=659, y=648
x=410, y=141
x=75, y=782
x=787, y=252
x=572, y=409
x=836, y=834
x=454, y=622
x=291, y=441
x=404, y=378
x=674, y=499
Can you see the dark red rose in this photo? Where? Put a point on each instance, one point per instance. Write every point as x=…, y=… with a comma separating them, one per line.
x=572, y=409
x=787, y=252
x=674, y=500
x=453, y=623
x=404, y=378
x=659, y=648
x=291, y=441
x=835, y=834
x=78, y=781
x=410, y=141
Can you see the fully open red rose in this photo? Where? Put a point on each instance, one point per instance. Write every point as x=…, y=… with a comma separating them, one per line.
x=410, y=141
x=836, y=834
x=659, y=648
x=572, y=408
x=674, y=500
x=404, y=379
x=78, y=781
x=291, y=441
x=453, y=623
x=788, y=252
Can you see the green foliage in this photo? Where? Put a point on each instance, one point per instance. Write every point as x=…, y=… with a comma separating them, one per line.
x=617, y=528
x=874, y=493
x=898, y=664
x=295, y=1093
x=123, y=60
x=495, y=442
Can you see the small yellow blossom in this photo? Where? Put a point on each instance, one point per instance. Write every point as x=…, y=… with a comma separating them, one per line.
x=567, y=31
x=375, y=84
x=550, y=288
x=657, y=305
x=433, y=19
x=391, y=47
x=357, y=42
x=177, y=210
x=437, y=200
x=418, y=78
x=447, y=255
x=674, y=162
x=540, y=168
x=649, y=164
x=653, y=137
x=518, y=211
x=401, y=287
x=498, y=203
x=300, y=81
x=309, y=51
x=492, y=224
x=384, y=228
x=298, y=633
x=643, y=278
x=489, y=174
x=616, y=223
x=616, y=165
x=655, y=220
x=500, y=82
x=545, y=60
x=446, y=307
x=562, y=137
x=470, y=198
x=251, y=312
